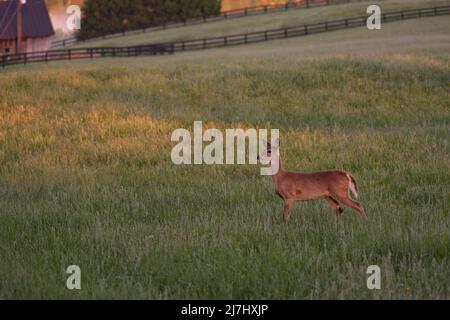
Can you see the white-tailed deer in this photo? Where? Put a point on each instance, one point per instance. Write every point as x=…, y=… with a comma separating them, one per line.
x=332, y=185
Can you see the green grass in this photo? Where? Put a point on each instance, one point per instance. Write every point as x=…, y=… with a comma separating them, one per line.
x=86, y=176
x=262, y=22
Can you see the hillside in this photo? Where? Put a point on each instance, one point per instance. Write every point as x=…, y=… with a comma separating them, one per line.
x=261, y=22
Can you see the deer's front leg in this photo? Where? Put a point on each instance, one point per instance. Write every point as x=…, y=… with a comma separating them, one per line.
x=288, y=204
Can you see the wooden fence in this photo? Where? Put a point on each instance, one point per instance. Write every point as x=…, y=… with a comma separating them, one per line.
x=244, y=12
x=85, y=53
x=304, y=30
x=214, y=42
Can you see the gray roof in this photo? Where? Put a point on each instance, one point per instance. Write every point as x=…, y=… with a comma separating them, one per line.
x=35, y=19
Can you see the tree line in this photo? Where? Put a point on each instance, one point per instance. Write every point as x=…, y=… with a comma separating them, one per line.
x=100, y=17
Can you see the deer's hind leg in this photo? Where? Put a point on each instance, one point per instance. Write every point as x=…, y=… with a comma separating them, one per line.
x=335, y=204
x=351, y=203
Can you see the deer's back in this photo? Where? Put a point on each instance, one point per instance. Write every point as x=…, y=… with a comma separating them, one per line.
x=305, y=186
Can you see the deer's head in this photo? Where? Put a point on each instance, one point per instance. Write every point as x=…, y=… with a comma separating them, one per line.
x=271, y=152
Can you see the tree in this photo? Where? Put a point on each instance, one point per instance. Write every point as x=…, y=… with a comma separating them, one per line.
x=100, y=17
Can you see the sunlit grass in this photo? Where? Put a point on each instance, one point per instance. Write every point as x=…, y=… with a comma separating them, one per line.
x=86, y=177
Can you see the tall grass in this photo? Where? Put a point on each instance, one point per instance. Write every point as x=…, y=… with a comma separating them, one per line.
x=86, y=179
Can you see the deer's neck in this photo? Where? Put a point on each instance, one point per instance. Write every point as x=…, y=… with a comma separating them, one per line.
x=277, y=175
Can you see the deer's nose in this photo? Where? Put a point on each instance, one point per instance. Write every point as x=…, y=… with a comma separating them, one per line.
x=257, y=158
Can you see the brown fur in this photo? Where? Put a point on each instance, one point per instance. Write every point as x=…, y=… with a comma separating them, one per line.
x=332, y=185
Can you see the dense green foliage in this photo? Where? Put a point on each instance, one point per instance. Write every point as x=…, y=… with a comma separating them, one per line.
x=101, y=17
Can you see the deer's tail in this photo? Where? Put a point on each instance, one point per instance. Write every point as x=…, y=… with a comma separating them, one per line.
x=352, y=185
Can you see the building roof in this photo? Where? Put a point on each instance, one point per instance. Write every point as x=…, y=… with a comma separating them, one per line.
x=35, y=19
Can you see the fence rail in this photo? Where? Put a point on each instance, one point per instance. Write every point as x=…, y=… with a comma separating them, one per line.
x=214, y=42
x=302, y=30
x=237, y=13
x=85, y=53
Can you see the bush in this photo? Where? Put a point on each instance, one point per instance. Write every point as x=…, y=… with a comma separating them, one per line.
x=100, y=17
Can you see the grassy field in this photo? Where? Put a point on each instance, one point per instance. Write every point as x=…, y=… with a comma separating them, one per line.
x=263, y=22
x=86, y=176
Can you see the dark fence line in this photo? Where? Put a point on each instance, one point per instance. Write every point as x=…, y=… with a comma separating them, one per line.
x=214, y=42
x=302, y=30
x=237, y=13
x=85, y=53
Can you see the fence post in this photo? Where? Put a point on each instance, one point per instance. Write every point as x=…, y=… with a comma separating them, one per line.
x=326, y=26
x=245, y=38
x=265, y=9
x=346, y=23
x=64, y=43
x=225, y=41
x=25, y=58
x=245, y=12
x=435, y=11
x=204, y=43
x=265, y=35
x=307, y=3
x=285, y=32
x=306, y=29
x=46, y=56
x=182, y=46
x=70, y=54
